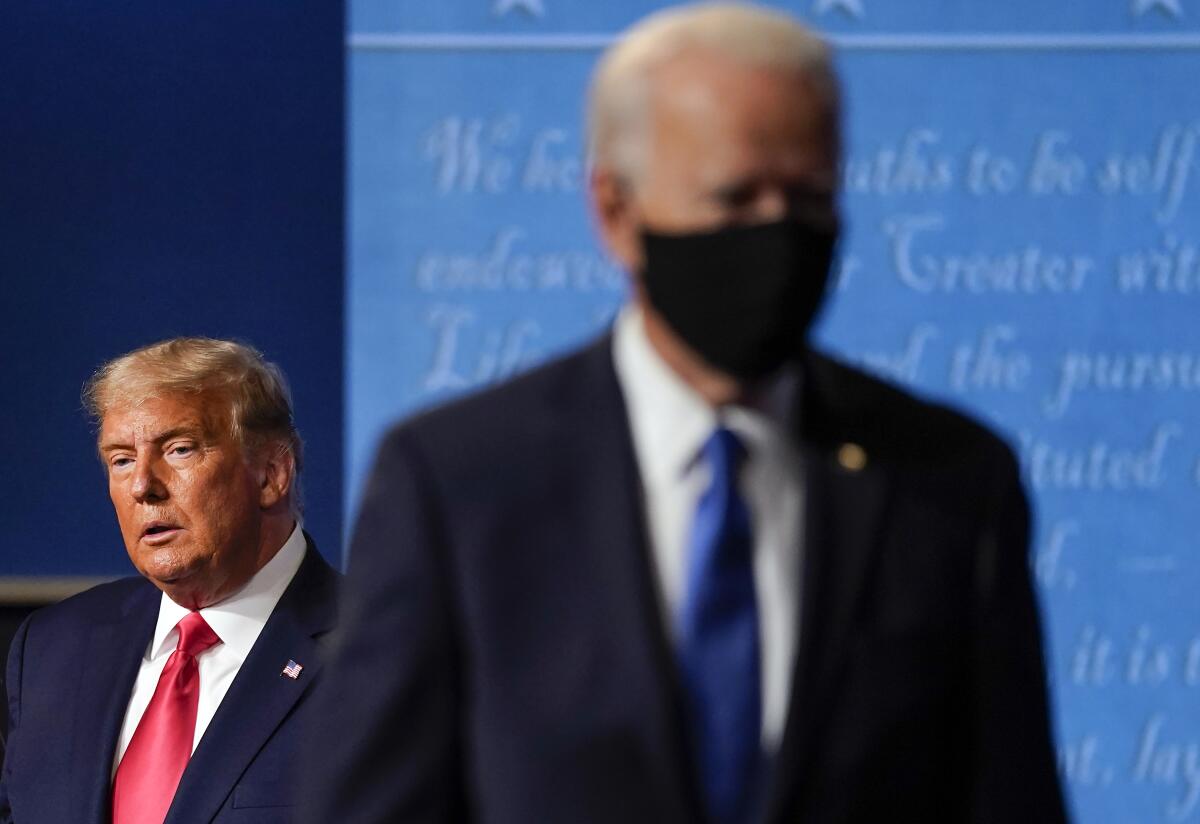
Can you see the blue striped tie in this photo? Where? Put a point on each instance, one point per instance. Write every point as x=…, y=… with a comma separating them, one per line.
x=719, y=648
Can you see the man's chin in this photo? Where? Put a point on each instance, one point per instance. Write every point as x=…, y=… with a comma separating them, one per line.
x=180, y=580
x=189, y=592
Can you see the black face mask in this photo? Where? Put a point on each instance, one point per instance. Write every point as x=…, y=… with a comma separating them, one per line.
x=742, y=297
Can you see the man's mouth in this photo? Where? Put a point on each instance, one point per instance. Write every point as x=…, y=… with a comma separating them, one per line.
x=159, y=532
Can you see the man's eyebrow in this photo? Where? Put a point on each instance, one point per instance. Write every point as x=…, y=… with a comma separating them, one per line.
x=815, y=185
x=194, y=430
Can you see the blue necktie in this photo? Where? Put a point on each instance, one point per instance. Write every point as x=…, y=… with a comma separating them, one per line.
x=718, y=648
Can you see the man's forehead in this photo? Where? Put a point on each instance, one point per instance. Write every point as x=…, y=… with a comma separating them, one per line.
x=761, y=109
x=151, y=417
x=706, y=68
x=695, y=90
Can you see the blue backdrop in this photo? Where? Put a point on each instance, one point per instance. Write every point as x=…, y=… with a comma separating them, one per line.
x=165, y=169
x=1022, y=191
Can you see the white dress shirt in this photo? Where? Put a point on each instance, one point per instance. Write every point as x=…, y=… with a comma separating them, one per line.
x=670, y=424
x=237, y=621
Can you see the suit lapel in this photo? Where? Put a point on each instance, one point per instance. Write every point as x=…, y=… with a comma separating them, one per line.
x=107, y=670
x=260, y=696
x=846, y=498
x=845, y=514
x=614, y=527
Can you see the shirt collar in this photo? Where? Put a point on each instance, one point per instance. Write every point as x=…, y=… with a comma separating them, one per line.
x=670, y=421
x=765, y=422
x=240, y=617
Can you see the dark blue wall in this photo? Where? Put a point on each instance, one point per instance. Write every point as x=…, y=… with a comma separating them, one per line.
x=166, y=168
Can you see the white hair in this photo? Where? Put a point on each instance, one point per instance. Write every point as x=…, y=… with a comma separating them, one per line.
x=748, y=34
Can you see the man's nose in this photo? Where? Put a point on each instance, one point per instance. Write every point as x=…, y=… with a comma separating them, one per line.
x=147, y=484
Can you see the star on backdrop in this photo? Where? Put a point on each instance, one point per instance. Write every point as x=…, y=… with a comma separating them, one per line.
x=1171, y=7
x=533, y=8
x=854, y=8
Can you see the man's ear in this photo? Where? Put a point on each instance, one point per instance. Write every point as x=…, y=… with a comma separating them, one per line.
x=616, y=217
x=276, y=471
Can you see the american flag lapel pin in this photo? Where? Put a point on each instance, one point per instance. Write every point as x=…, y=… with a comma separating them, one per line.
x=292, y=669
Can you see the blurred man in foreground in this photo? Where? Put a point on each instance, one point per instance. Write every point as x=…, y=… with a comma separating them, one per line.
x=696, y=571
x=213, y=649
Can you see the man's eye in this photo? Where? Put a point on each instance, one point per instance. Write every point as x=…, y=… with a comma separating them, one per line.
x=736, y=197
x=118, y=462
x=181, y=449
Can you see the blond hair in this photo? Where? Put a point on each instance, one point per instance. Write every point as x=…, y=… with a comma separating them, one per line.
x=260, y=403
x=748, y=34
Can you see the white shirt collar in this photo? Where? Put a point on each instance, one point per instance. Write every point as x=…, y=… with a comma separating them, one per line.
x=670, y=421
x=240, y=617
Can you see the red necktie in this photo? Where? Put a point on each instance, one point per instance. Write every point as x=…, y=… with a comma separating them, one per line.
x=162, y=743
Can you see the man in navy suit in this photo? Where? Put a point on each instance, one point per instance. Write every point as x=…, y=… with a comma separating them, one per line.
x=180, y=695
x=696, y=571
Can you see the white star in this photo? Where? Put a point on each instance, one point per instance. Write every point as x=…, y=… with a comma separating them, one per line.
x=1170, y=7
x=533, y=8
x=854, y=8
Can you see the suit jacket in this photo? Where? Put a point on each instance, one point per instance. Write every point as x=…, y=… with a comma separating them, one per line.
x=505, y=659
x=71, y=672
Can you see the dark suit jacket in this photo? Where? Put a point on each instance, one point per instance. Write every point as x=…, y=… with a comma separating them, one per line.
x=70, y=674
x=504, y=658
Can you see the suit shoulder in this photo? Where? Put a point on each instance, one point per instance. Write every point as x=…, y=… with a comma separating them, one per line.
x=518, y=408
x=890, y=420
x=86, y=608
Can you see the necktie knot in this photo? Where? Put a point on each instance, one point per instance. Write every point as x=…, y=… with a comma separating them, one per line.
x=724, y=452
x=195, y=635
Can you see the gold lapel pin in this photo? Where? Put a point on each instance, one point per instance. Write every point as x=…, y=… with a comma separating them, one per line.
x=851, y=457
